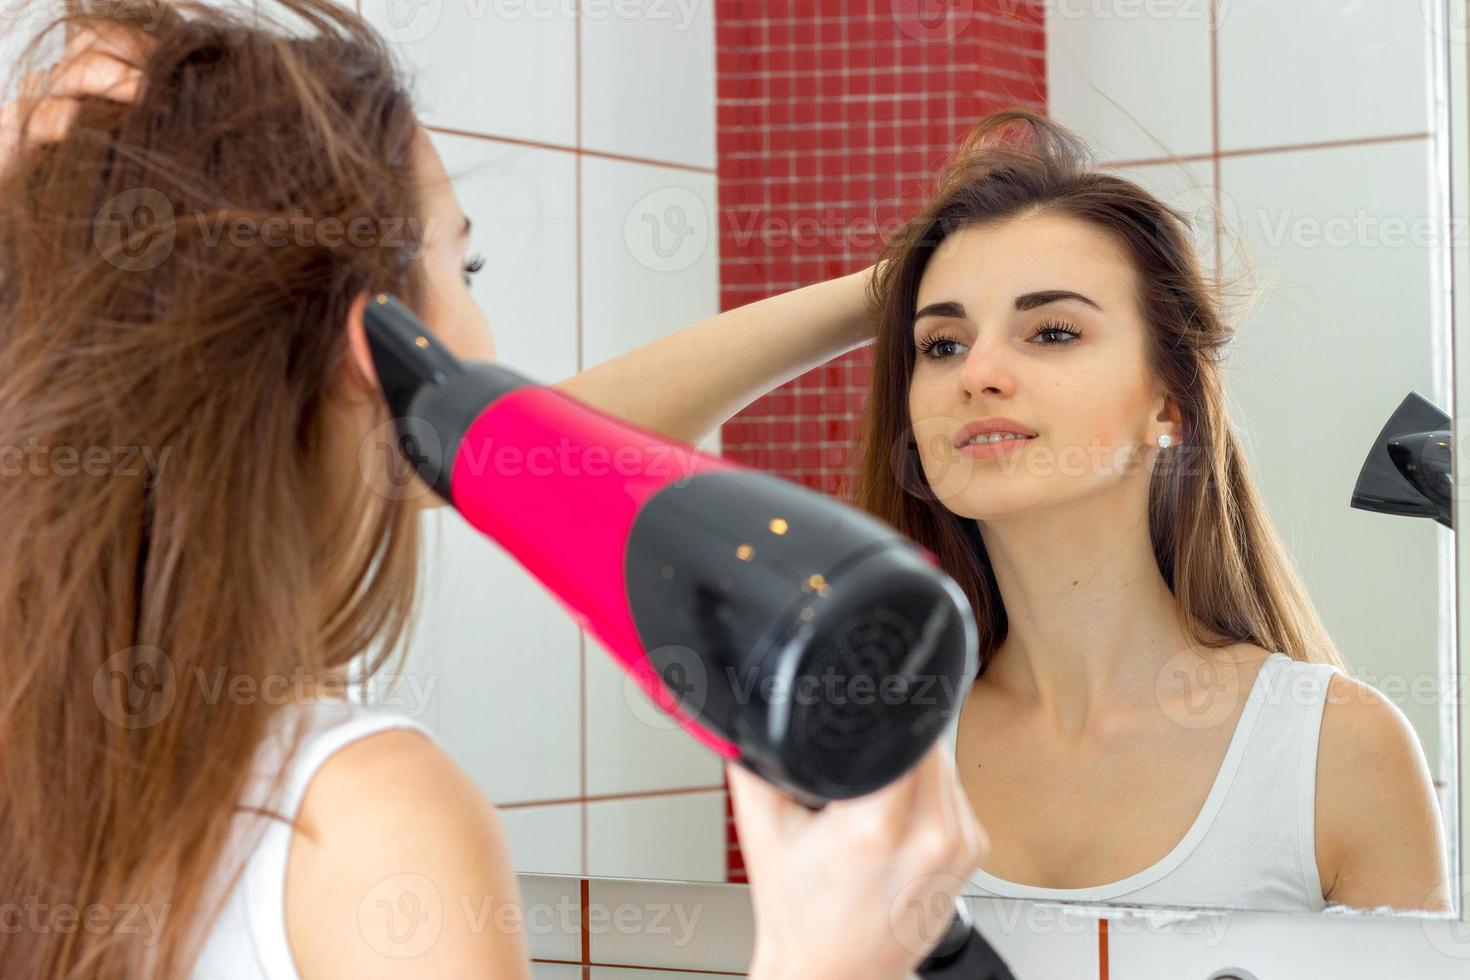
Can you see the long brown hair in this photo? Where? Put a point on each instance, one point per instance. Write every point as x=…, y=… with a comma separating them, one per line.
x=163, y=409
x=1210, y=531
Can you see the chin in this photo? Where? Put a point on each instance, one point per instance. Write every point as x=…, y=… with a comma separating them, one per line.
x=988, y=506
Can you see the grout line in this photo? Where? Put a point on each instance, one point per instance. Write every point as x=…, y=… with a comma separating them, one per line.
x=579, y=150
x=582, y=726
x=1258, y=150
x=608, y=797
x=1102, y=949
x=1215, y=134
x=587, y=965
x=584, y=890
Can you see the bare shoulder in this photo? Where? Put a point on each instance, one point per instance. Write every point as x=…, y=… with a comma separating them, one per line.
x=1379, y=838
x=401, y=869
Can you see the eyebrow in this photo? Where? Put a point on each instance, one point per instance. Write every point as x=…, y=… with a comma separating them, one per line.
x=465, y=231
x=1026, y=301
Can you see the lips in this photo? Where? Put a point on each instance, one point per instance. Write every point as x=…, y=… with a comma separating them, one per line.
x=991, y=426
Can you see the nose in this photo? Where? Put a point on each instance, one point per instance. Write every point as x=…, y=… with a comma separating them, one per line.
x=985, y=370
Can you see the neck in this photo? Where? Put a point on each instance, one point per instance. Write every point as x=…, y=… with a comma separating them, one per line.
x=1091, y=620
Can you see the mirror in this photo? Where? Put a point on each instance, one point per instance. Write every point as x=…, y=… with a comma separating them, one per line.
x=649, y=165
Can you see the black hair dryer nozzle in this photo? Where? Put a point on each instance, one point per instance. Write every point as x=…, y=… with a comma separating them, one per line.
x=1409, y=470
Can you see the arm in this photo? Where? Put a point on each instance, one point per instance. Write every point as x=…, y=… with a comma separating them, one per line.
x=401, y=871
x=685, y=384
x=1379, y=838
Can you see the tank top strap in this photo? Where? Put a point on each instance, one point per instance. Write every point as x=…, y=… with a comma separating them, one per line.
x=248, y=939
x=1274, y=793
x=327, y=726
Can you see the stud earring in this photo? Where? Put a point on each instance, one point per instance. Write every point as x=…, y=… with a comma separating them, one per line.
x=1165, y=442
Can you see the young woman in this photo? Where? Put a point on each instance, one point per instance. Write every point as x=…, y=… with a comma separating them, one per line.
x=197, y=550
x=1160, y=718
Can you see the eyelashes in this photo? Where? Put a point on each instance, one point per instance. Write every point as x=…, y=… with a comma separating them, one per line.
x=1049, y=327
x=474, y=265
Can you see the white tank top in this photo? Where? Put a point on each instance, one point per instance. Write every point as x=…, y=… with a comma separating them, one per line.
x=247, y=941
x=1253, y=843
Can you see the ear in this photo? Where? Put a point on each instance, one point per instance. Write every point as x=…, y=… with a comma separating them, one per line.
x=1169, y=413
x=360, y=367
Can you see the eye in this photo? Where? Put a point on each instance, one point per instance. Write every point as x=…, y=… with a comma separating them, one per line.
x=938, y=340
x=474, y=265
x=1056, y=328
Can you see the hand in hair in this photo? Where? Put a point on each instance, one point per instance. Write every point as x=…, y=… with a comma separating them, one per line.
x=99, y=61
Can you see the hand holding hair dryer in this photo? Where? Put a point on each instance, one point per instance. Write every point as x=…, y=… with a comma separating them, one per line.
x=795, y=636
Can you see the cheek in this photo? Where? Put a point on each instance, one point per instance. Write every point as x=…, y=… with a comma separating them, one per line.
x=932, y=425
x=921, y=399
x=463, y=328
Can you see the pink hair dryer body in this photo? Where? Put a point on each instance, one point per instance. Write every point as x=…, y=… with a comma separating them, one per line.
x=795, y=636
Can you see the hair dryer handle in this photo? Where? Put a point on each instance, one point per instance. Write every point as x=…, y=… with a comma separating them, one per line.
x=963, y=954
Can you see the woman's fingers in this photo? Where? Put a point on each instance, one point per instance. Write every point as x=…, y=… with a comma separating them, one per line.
x=99, y=61
x=762, y=812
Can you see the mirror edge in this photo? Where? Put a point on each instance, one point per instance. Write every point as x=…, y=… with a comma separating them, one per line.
x=1452, y=122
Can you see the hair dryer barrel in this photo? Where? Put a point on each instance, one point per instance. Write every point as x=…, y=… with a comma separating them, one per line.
x=802, y=637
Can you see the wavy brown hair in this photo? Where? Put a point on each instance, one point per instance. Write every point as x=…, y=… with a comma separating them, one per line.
x=1210, y=530
x=229, y=547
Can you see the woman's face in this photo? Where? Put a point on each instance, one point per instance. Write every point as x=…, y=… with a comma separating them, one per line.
x=1033, y=319
x=449, y=308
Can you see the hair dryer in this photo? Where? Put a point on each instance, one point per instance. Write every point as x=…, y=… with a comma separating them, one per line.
x=1409, y=470
x=725, y=592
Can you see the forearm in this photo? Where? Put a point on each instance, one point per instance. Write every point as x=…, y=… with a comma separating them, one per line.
x=687, y=383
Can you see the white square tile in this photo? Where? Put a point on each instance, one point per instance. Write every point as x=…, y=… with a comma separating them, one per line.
x=1132, y=78
x=501, y=68
x=544, y=840
x=648, y=79
x=553, y=915
x=672, y=926
x=1306, y=946
x=503, y=658
x=650, y=254
x=1341, y=246
x=680, y=837
x=523, y=204
x=555, y=971
x=632, y=745
x=1313, y=70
